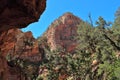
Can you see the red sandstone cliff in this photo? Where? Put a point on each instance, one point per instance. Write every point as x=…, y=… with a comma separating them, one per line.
x=16, y=14
x=18, y=45
x=62, y=31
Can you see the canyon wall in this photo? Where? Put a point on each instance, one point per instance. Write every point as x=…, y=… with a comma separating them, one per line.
x=14, y=43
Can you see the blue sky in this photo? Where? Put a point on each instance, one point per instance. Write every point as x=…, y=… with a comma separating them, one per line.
x=80, y=8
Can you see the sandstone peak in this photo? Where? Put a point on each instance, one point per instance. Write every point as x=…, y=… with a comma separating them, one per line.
x=62, y=31
x=67, y=18
x=67, y=14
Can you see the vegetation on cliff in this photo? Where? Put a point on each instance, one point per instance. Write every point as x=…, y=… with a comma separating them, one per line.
x=97, y=56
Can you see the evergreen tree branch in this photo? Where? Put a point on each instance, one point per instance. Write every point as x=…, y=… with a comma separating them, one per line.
x=112, y=42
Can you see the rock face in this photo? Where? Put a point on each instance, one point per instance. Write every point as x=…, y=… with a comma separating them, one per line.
x=20, y=13
x=16, y=14
x=18, y=45
x=62, y=31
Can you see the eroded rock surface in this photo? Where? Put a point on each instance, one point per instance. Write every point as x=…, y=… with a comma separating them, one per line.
x=14, y=43
x=17, y=45
x=20, y=13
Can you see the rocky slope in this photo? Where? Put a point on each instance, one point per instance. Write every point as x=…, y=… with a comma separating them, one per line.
x=62, y=31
